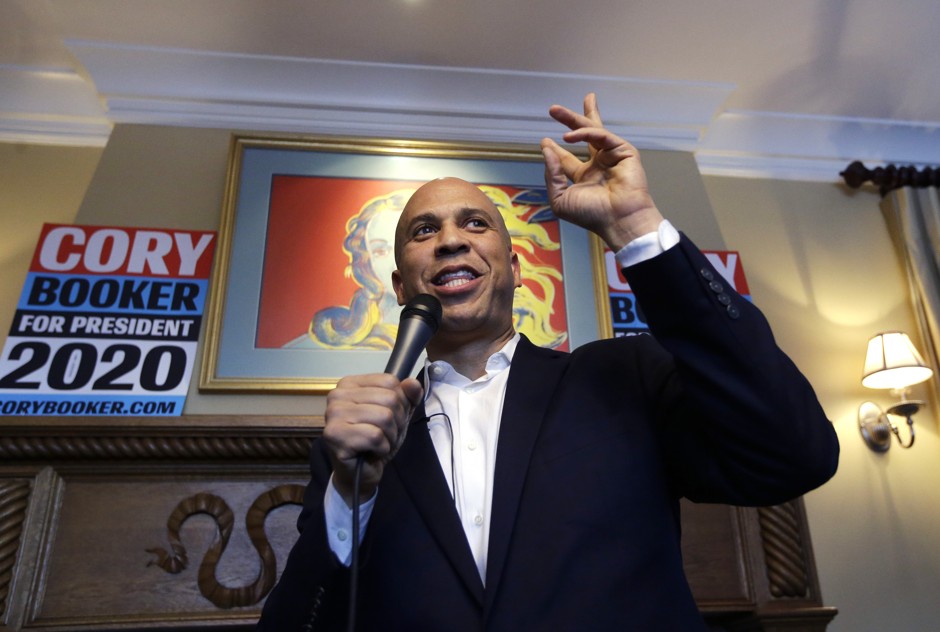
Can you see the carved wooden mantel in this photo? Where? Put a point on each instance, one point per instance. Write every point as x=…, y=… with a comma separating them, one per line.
x=182, y=523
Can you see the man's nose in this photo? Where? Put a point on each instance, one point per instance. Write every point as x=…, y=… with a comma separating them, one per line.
x=450, y=239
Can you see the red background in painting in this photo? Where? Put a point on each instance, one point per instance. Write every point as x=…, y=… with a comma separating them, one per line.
x=304, y=259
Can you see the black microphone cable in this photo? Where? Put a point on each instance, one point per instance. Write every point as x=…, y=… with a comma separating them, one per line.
x=354, y=563
x=419, y=321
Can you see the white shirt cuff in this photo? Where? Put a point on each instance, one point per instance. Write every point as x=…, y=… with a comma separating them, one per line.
x=339, y=522
x=648, y=246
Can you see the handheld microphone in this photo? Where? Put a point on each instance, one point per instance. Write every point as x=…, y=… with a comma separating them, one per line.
x=419, y=321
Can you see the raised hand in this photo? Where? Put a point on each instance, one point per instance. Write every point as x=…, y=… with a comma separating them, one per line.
x=606, y=194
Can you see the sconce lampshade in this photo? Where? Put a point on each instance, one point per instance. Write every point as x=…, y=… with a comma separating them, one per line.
x=893, y=362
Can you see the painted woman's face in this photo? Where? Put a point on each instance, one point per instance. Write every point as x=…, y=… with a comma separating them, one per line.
x=380, y=242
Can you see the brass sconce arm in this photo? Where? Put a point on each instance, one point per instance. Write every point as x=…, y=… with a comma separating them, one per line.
x=876, y=426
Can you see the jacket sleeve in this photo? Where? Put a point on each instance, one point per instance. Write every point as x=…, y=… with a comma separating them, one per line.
x=738, y=422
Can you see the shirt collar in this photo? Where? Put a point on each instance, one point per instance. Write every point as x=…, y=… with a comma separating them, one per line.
x=441, y=371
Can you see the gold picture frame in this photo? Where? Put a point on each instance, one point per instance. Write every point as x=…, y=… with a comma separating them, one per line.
x=242, y=351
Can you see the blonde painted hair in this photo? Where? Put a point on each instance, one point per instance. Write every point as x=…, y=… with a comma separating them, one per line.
x=360, y=325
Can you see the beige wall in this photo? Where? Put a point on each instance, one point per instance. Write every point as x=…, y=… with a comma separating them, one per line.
x=38, y=184
x=818, y=260
x=820, y=263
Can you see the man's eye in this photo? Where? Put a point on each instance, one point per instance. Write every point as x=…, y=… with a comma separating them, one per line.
x=424, y=229
x=476, y=222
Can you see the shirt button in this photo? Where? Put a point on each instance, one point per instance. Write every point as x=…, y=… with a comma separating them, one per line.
x=341, y=535
x=478, y=520
x=471, y=446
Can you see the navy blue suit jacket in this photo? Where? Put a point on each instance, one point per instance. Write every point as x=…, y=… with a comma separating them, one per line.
x=595, y=449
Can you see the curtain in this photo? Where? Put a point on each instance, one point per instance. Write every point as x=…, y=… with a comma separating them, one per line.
x=913, y=216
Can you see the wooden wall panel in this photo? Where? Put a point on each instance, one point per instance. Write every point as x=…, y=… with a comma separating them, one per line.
x=100, y=566
x=712, y=537
x=87, y=505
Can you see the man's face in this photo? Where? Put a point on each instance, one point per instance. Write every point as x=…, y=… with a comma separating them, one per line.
x=451, y=243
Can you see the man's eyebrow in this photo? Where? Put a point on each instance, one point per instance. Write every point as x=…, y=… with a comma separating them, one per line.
x=422, y=218
x=473, y=211
x=433, y=218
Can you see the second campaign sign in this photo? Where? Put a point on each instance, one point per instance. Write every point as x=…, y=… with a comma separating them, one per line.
x=626, y=317
x=107, y=323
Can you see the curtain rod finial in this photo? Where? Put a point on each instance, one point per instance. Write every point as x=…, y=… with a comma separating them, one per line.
x=856, y=174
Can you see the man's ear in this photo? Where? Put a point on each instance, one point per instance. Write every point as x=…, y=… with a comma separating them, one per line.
x=516, y=269
x=399, y=291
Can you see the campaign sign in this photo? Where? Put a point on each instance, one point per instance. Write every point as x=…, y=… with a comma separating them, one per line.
x=107, y=323
x=627, y=318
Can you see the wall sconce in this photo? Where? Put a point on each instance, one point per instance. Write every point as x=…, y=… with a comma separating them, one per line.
x=892, y=362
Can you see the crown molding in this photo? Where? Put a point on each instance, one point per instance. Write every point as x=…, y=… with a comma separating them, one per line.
x=258, y=93
x=286, y=94
x=798, y=147
x=50, y=106
x=64, y=131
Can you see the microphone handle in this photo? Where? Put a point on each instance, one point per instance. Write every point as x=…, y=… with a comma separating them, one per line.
x=413, y=336
x=414, y=332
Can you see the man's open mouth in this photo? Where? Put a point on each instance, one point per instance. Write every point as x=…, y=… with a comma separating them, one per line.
x=454, y=278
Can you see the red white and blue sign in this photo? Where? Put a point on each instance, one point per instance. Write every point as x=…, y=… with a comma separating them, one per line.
x=627, y=318
x=107, y=323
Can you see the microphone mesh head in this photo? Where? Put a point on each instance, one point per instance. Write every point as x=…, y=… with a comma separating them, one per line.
x=425, y=307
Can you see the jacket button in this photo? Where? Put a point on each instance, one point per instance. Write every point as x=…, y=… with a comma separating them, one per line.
x=716, y=287
x=724, y=299
x=733, y=312
x=707, y=274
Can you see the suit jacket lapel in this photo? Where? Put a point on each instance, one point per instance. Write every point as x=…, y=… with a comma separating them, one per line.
x=420, y=472
x=533, y=376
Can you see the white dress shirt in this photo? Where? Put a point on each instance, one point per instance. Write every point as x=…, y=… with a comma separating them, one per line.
x=463, y=419
x=466, y=446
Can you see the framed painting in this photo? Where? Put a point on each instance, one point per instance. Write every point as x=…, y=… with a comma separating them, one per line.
x=301, y=291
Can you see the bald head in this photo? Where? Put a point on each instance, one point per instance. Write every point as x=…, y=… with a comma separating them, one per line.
x=444, y=193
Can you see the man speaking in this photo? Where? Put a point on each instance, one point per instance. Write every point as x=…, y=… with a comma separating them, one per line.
x=518, y=488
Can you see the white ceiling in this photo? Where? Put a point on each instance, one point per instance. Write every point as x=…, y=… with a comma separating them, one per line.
x=792, y=89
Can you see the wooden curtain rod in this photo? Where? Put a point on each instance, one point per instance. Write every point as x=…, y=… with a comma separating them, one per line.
x=890, y=177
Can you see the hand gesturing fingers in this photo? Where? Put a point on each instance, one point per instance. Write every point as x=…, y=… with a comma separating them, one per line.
x=607, y=193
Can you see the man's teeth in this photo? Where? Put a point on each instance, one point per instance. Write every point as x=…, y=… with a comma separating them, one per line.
x=454, y=279
x=456, y=282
